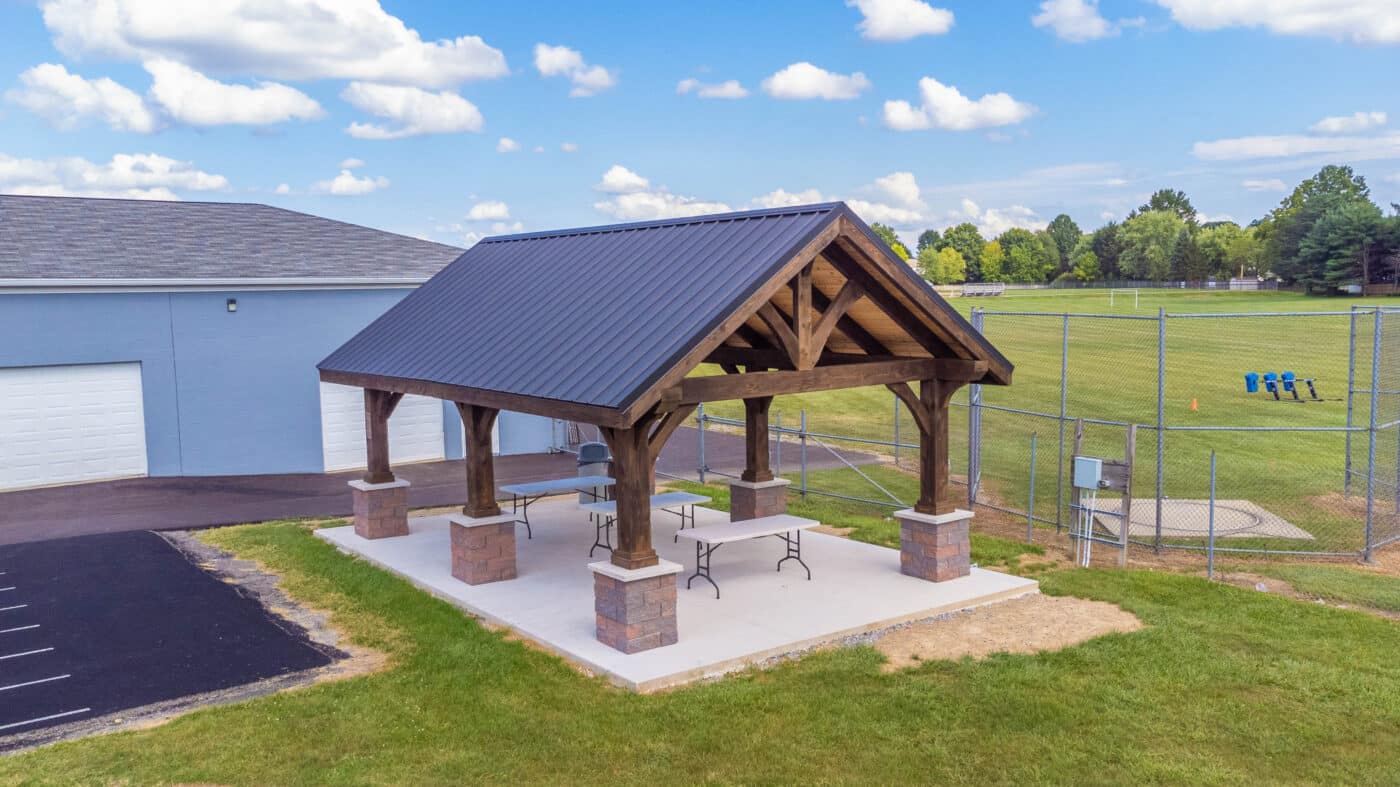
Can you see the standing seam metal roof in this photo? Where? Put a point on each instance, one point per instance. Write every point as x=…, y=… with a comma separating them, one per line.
x=591, y=316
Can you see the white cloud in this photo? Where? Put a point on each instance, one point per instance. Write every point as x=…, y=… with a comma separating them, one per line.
x=66, y=100
x=804, y=80
x=1264, y=184
x=901, y=187
x=621, y=180
x=900, y=20
x=282, y=188
x=587, y=80
x=507, y=145
x=781, y=198
x=569, y=147
x=1392, y=178
x=885, y=214
x=944, y=107
x=413, y=110
x=1077, y=21
x=490, y=210
x=1363, y=21
x=728, y=89
x=352, y=163
x=1345, y=124
x=1107, y=215
x=1285, y=146
x=283, y=39
x=136, y=175
x=347, y=185
x=992, y=222
x=506, y=228
x=194, y=99
x=635, y=199
x=539, y=148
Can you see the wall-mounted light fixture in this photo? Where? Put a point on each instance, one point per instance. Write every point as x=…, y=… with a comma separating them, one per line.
x=232, y=304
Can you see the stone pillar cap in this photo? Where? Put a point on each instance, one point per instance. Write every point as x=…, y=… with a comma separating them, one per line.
x=462, y=520
x=955, y=515
x=760, y=484
x=365, y=486
x=661, y=569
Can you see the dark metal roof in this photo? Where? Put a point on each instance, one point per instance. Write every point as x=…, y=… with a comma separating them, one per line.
x=588, y=315
x=83, y=238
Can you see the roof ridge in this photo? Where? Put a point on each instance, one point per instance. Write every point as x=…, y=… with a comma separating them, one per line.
x=602, y=229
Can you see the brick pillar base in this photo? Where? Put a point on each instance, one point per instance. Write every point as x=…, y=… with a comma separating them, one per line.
x=753, y=499
x=483, y=548
x=934, y=546
x=381, y=510
x=636, y=609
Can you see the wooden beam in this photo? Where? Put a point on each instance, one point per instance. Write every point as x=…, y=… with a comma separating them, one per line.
x=777, y=323
x=882, y=297
x=753, y=336
x=756, y=440
x=777, y=359
x=831, y=314
x=534, y=405
x=665, y=427
x=693, y=390
x=481, y=472
x=852, y=329
x=802, y=318
x=907, y=395
x=379, y=405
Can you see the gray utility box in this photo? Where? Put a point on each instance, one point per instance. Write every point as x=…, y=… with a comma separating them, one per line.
x=593, y=459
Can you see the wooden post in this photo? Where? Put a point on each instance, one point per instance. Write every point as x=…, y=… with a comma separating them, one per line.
x=379, y=405
x=934, y=395
x=756, y=440
x=632, y=459
x=481, y=471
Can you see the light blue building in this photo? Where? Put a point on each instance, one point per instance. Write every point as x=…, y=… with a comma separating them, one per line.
x=181, y=339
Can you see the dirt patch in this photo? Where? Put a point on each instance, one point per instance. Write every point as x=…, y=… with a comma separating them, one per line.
x=1030, y=624
x=1279, y=587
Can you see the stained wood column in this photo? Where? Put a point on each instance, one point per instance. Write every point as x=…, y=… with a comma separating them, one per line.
x=379, y=405
x=756, y=467
x=481, y=471
x=632, y=463
x=934, y=396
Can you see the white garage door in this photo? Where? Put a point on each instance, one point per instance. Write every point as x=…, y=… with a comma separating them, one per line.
x=64, y=424
x=415, y=428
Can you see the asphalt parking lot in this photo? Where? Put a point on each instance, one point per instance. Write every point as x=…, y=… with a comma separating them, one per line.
x=94, y=625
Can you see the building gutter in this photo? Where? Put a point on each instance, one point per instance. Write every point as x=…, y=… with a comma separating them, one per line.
x=53, y=286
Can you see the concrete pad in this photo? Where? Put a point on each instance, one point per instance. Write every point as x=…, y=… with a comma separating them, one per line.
x=1191, y=519
x=855, y=588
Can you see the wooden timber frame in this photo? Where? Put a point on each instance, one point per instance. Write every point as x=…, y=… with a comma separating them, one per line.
x=841, y=312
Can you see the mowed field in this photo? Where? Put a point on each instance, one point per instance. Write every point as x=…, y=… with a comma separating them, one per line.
x=1112, y=373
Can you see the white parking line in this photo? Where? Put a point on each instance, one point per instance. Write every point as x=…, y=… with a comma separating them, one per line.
x=33, y=682
x=20, y=628
x=17, y=606
x=43, y=718
x=25, y=653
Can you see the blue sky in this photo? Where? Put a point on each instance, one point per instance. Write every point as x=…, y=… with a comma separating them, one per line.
x=392, y=114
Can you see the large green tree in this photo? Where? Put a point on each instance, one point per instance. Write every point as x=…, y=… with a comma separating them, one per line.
x=1335, y=251
x=928, y=239
x=1107, y=248
x=1149, y=243
x=1284, y=230
x=942, y=266
x=968, y=242
x=993, y=262
x=1066, y=234
x=1170, y=200
x=891, y=239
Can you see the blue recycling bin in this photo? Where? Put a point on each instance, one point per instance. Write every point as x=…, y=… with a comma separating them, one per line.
x=1251, y=382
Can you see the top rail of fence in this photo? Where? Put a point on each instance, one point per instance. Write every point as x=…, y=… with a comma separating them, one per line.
x=1182, y=315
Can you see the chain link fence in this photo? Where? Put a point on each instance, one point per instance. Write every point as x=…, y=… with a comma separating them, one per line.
x=1307, y=464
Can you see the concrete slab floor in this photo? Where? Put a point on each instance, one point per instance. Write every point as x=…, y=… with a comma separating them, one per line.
x=763, y=613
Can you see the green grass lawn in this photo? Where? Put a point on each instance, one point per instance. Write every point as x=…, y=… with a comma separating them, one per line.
x=1338, y=583
x=1222, y=686
x=1113, y=377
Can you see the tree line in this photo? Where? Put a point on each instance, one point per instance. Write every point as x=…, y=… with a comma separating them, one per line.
x=1325, y=235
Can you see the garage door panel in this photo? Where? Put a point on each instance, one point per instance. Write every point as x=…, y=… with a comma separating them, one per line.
x=415, y=428
x=69, y=424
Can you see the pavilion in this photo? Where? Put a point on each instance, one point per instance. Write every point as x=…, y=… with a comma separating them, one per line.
x=608, y=326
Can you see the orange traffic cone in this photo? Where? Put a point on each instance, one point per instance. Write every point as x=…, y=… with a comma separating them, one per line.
x=1193, y=404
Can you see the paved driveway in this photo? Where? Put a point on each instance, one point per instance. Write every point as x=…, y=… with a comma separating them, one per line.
x=195, y=502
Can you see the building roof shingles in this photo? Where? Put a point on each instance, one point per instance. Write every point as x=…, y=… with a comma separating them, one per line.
x=68, y=238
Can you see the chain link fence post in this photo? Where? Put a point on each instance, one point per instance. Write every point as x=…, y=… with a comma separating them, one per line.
x=1161, y=424
x=1351, y=392
x=1371, y=438
x=802, y=436
x=700, y=424
x=896, y=428
x=1064, y=401
x=974, y=426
